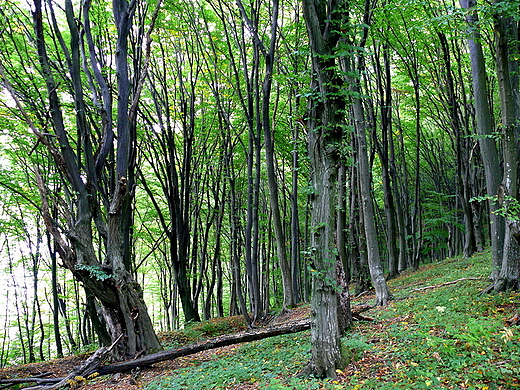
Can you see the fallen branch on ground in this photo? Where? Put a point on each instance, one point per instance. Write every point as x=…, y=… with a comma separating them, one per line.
x=83, y=371
x=357, y=310
x=445, y=284
x=515, y=320
x=92, y=364
x=80, y=373
x=34, y=379
x=223, y=341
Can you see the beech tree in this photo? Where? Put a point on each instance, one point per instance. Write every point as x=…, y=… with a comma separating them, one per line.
x=353, y=62
x=502, y=188
x=325, y=133
x=96, y=163
x=507, y=68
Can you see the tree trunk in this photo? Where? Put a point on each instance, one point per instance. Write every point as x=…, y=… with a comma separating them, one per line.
x=374, y=260
x=325, y=131
x=365, y=188
x=295, y=223
x=384, y=86
x=285, y=265
x=55, y=302
x=506, y=39
x=108, y=280
x=484, y=124
x=463, y=183
x=341, y=224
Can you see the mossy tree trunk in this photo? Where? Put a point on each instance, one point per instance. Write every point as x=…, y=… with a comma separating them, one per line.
x=325, y=135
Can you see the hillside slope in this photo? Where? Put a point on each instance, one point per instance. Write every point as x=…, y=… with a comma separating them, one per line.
x=438, y=333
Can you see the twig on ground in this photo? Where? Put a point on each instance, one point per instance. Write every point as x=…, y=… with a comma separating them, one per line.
x=444, y=284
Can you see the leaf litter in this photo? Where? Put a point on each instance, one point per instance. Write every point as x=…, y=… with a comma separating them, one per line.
x=412, y=344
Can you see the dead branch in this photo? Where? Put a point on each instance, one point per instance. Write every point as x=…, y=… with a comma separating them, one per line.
x=83, y=371
x=515, y=320
x=14, y=381
x=223, y=341
x=80, y=373
x=444, y=284
x=92, y=364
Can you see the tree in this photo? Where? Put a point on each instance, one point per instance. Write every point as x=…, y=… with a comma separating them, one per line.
x=507, y=68
x=353, y=64
x=325, y=135
x=98, y=175
x=269, y=54
x=485, y=127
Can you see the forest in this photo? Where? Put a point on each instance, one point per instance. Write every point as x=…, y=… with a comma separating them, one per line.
x=167, y=162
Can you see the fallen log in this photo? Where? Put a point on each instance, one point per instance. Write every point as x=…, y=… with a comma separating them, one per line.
x=204, y=346
x=92, y=364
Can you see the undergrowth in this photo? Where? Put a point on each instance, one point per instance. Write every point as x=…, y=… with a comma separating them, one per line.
x=198, y=331
x=447, y=337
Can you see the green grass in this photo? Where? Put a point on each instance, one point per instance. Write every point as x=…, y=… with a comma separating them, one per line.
x=449, y=337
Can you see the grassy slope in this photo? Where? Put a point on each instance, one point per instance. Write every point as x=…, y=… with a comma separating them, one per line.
x=447, y=337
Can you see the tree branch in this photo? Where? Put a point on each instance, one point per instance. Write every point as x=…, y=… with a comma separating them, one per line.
x=444, y=284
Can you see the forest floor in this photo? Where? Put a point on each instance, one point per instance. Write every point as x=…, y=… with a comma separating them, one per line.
x=438, y=332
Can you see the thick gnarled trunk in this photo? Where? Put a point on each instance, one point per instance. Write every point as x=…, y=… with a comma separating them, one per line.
x=109, y=279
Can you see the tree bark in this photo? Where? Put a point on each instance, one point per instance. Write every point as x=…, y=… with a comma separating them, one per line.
x=325, y=131
x=374, y=259
x=351, y=66
x=484, y=125
x=108, y=279
x=384, y=86
x=463, y=182
x=506, y=40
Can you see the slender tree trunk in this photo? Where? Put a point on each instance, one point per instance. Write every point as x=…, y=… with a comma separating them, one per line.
x=365, y=178
x=55, y=299
x=384, y=86
x=253, y=193
x=374, y=260
x=295, y=223
x=281, y=249
x=484, y=125
x=463, y=183
x=341, y=225
x=358, y=251
x=416, y=221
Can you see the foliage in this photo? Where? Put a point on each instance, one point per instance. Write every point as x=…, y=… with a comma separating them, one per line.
x=267, y=362
x=451, y=335
x=508, y=207
x=201, y=92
